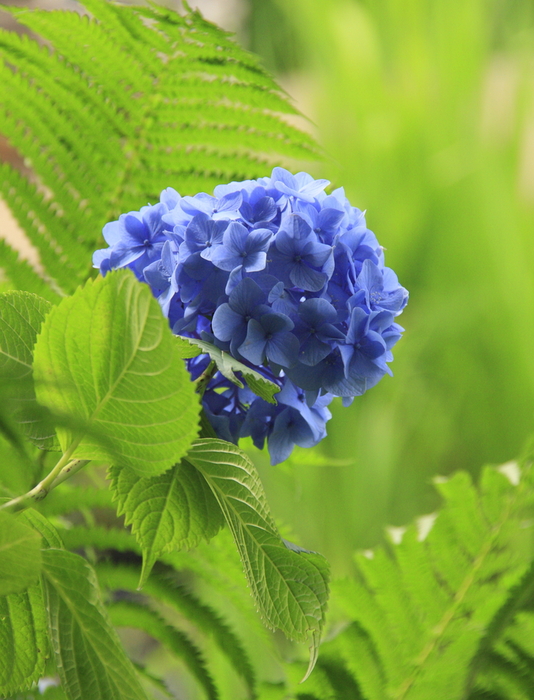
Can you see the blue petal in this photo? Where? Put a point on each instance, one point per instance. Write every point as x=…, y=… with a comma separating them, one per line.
x=306, y=278
x=246, y=296
x=328, y=220
x=226, y=323
x=283, y=349
x=297, y=227
x=313, y=351
x=276, y=323
x=253, y=349
x=290, y=428
x=230, y=202
x=284, y=176
x=235, y=237
x=113, y=232
x=136, y=229
x=317, y=311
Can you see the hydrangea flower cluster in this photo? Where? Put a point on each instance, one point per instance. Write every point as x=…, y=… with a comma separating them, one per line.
x=282, y=276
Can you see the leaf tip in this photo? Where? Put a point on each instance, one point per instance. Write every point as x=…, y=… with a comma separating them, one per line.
x=314, y=653
x=148, y=562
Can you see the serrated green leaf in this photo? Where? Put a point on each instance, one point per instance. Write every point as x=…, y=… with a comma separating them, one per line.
x=169, y=511
x=106, y=357
x=185, y=349
x=90, y=659
x=43, y=526
x=290, y=588
x=228, y=366
x=23, y=640
x=21, y=317
x=20, y=555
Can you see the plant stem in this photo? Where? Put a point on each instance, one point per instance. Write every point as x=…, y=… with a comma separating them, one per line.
x=204, y=379
x=63, y=470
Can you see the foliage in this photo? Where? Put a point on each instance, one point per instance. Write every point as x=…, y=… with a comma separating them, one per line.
x=443, y=610
x=99, y=375
x=109, y=112
x=142, y=99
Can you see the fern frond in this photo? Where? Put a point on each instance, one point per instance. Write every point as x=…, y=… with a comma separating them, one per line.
x=425, y=607
x=197, y=613
x=67, y=499
x=130, y=614
x=130, y=107
x=102, y=538
x=507, y=666
x=16, y=273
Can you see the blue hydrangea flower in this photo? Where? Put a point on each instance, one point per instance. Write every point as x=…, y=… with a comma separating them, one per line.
x=283, y=276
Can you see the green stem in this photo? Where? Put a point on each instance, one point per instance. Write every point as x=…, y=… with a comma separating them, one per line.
x=63, y=470
x=202, y=382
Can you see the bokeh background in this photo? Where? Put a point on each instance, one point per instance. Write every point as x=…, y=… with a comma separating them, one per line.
x=425, y=111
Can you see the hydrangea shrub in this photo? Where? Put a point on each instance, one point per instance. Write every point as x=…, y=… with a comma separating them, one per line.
x=282, y=276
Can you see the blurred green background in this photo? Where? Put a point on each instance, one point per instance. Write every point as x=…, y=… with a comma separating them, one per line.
x=425, y=109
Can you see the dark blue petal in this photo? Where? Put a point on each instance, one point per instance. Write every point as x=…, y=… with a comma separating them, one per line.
x=282, y=349
x=246, y=296
x=315, y=312
x=313, y=351
x=290, y=429
x=307, y=278
x=253, y=349
x=226, y=323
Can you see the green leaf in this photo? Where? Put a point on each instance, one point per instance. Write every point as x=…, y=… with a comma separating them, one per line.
x=90, y=659
x=227, y=366
x=43, y=526
x=208, y=114
x=20, y=555
x=289, y=587
x=428, y=611
x=21, y=317
x=131, y=614
x=17, y=273
x=107, y=357
x=23, y=640
x=198, y=614
x=185, y=349
x=18, y=471
x=169, y=511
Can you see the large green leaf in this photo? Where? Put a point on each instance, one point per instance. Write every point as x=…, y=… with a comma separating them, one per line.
x=169, y=511
x=106, y=357
x=23, y=640
x=289, y=584
x=89, y=656
x=21, y=317
x=20, y=555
